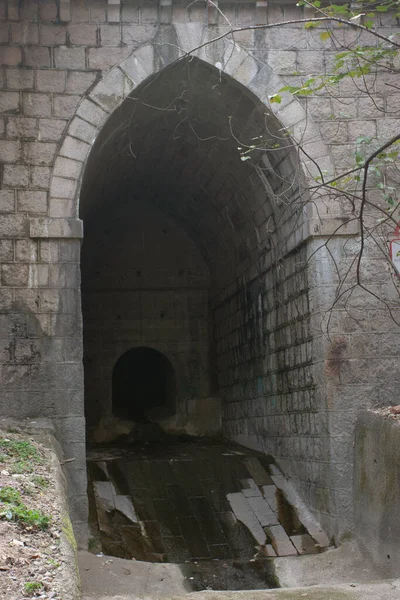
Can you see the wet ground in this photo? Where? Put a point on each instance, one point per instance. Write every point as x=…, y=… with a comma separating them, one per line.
x=212, y=507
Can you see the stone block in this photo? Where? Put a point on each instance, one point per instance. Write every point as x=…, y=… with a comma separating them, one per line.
x=39, y=153
x=16, y=176
x=26, y=251
x=83, y=34
x=304, y=544
x=7, y=203
x=50, y=300
x=51, y=129
x=118, y=81
x=53, y=35
x=280, y=541
x=14, y=275
x=92, y=113
x=334, y=131
x=65, y=167
x=4, y=33
x=282, y=61
x=15, y=377
x=257, y=471
x=50, y=80
x=6, y=298
x=10, y=152
x=48, y=250
x=63, y=188
x=65, y=105
x=106, y=58
x=26, y=300
x=65, y=10
x=263, y=512
x=98, y=12
x=269, y=492
x=69, y=251
x=21, y=128
x=61, y=207
x=82, y=130
x=39, y=275
x=6, y=250
x=110, y=35
x=114, y=13
x=10, y=55
x=80, y=12
x=32, y=202
x=19, y=79
x=78, y=82
x=28, y=11
x=64, y=276
x=371, y=107
x=130, y=13
x=244, y=513
x=9, y=102
x=361, y=128
x=25, y=33
x=75, y=149
x=48, y=10
x=55, y=228
x=344, y=108
x=40, y=177
x=37, y=56
x=69, y=58
x=36, y=105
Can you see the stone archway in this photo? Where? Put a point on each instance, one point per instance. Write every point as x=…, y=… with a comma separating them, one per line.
x=143, y=385
x=261, y=304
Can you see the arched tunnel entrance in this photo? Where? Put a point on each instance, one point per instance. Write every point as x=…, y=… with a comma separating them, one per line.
x=143, y=386
x=190, y=197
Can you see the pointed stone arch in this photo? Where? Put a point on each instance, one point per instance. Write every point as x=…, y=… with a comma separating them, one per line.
x=145, y=62
x=263, y=433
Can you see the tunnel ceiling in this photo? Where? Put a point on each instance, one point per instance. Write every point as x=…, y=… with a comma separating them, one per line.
x=174, y=144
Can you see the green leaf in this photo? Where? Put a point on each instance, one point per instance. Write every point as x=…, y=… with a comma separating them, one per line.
x=275, y=98
x=311, y=24
x=325, y=35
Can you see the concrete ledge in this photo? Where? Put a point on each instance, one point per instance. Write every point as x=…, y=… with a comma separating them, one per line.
x=55, y=228
x=377, y=489
x=345, y=225
x=388, y=590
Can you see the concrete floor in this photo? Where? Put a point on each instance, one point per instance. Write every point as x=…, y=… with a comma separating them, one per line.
x=193, y=500
x=110, y=578
x=169, y=519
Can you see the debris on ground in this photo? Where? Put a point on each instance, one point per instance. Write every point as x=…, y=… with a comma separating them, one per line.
x=31, y=559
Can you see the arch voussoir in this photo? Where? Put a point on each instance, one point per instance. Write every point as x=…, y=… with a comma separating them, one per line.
x=119, y=82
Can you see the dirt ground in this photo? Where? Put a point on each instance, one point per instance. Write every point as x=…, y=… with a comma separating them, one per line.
x=31, y=558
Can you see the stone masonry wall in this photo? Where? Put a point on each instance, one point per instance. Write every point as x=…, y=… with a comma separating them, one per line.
x=285, y=388
x=144, y=284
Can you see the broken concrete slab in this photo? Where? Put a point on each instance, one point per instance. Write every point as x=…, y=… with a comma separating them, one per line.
x=269, y=493
x=280, y=541
x=304, y=544
x=257, y=471
x=244, y=513
x=263, y=512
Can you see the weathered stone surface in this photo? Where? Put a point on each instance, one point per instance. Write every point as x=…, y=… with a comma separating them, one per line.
x=272, y=367
x=56, y=228
x=244, y=513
